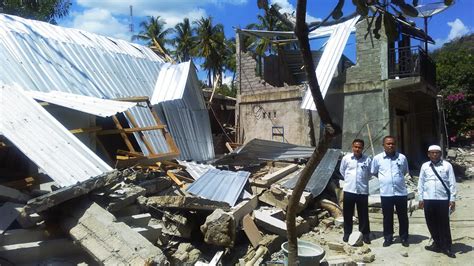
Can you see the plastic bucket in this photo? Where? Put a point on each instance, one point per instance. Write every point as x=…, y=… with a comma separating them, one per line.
x=308, y=253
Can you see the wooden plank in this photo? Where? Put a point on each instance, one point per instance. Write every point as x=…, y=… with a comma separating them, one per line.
x=269, y=179
x=61, y=195
x=166, y=134
x=85, y=130
x=148, y=160
x=124, y=136
x=175, y=179
x=251, y=230
x=20, y=184
x=8, y=213
x=133, y=99
x=142, y=136
x=128, y=130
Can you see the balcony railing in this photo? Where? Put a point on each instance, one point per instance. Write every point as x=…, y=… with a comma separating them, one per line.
x=411, y=62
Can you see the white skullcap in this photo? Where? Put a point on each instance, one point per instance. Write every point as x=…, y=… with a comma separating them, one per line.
x=434, y=148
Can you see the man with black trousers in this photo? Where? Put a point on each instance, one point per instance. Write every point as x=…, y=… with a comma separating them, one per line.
x=437, y=193
x=355, y=168
x=390, y=167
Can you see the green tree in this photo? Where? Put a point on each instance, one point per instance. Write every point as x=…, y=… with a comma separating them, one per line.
x=268, y=22
x=45, y=10
x=154, y=33
x=184, y=40
x=455, y=79
x=210, y=46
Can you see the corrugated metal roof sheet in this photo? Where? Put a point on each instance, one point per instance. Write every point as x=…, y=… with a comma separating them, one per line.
x=196, y=170
x=220, y=185
x=258, y=150
x=46, y=141
x=42, y=57
x=321, y=175
x=180, y=100
x=329, y=60
x=86, y=104
x=39, y=56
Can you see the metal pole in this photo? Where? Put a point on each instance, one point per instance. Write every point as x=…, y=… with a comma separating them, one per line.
x=426, y=32
x=439, y=105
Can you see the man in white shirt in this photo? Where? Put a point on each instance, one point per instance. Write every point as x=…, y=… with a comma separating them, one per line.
x=355, y=168
x=390, y=167
x=437, y=199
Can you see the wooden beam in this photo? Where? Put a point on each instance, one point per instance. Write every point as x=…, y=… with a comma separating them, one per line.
x=148, y=160
x=142, y=136
x=85, y=130
x=129, y=130
x=124, y=136
x=175, y=179
x=133, y=99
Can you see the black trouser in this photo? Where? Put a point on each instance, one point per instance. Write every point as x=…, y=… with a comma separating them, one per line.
x=437, y=220
x=400, y=203
x=362, y=202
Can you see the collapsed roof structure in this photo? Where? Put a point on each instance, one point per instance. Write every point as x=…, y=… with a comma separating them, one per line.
x=41, y=57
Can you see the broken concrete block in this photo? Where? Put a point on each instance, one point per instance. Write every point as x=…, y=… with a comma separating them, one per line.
x=106, y=241
x=139, y=220
x=355, y=239
x=130, y=194
x=174, y=225
x=219, y=229
x=186, y=254
x=151, y=232
x=363, y=250
x=336, y=246
x=365, y=258
x=339, y=260
x=186, y=202
x=8, y=213
x=243, y=208
x=12, y=195
x=28, y=220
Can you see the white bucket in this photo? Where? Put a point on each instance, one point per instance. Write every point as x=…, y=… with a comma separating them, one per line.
x=309, y=254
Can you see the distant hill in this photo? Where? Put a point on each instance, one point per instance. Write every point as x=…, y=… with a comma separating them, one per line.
x=465, y=42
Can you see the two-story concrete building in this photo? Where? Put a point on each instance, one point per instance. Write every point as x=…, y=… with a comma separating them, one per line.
x=389, y=90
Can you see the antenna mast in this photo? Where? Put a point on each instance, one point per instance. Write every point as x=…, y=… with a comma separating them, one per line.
x=131, y=19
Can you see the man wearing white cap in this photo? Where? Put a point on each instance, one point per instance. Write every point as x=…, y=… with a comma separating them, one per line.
x=437, y=193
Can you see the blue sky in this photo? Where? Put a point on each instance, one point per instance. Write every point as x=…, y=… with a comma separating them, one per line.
x=111, y=17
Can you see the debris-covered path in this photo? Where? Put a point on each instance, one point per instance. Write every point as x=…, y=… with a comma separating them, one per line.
x=462, y=225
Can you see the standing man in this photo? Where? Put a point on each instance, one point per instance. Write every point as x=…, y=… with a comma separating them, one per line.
x=355, y=168
x=390, y=167
x=437, y=192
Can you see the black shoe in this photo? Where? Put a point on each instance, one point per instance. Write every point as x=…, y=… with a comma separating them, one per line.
x=449, y=253
x=387, y=242
x=405, y=243
x=366, y=239
x=432, y=248
x=345, y=238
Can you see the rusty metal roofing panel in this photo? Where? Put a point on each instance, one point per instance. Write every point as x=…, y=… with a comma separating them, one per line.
x=86, y=104
x=220, y=185
x=46, y=141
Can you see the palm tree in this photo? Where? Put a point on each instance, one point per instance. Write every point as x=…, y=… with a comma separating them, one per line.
x=184, y=40
x=267, y=22
x=210, y=46
x=154, y=33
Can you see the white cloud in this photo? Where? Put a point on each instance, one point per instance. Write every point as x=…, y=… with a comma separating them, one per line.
x=100, y=21
x=227, y=80
x=287, y=7
x=458, y=29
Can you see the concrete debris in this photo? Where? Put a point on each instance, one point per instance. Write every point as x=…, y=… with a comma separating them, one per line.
x=219, y=229
x=186, y=254
x=125, y=197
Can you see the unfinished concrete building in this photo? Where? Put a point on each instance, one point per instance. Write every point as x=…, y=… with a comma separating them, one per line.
x=389, y=90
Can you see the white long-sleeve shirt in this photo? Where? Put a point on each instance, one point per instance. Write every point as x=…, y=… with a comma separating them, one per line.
x=356, y=173
x=391, y=173
x=429, y=186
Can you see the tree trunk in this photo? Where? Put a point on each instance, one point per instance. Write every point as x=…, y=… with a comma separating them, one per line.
x=330, y=130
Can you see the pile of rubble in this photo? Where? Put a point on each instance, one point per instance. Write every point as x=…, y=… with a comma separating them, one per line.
x=462, y=160
x=175, y=211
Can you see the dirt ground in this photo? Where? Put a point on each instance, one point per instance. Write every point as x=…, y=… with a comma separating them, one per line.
x=462, y=230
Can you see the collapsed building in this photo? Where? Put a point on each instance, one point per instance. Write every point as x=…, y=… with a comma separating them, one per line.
x=390, y=89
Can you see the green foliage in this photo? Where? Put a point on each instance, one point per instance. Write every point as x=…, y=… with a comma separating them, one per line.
x=184, y=40
x=45, y=10
x=153, y=30
x=455, y=79
x=226, y=90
